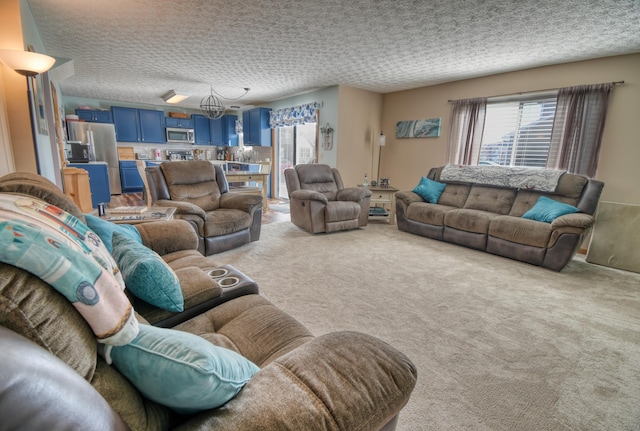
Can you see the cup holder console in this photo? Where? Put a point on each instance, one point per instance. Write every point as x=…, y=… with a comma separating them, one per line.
x=228, y=277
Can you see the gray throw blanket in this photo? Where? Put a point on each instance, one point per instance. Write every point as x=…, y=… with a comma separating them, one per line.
x=545, y=180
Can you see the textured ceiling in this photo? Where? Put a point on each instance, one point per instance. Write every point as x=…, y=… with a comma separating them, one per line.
x=137, y=50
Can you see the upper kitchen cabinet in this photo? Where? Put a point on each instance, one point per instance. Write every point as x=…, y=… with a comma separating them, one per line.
x=138, y=125
x=223, y=131
x=255, y=125
x=202, y=130
x=215, y=132
x=94, y=116
x=179, y=123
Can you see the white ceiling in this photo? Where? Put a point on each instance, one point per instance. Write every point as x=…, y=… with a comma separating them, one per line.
x=136, y=50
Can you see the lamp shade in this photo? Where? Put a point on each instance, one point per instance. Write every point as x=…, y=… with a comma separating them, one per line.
x=26, y=63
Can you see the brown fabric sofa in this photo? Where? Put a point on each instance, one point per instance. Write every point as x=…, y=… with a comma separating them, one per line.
x=320, y=202
x=489, y=218
x=337, y=381
x=200, y=193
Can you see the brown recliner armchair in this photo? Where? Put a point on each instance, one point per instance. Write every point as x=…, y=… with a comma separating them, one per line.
x=319, y=201
x=200, y=193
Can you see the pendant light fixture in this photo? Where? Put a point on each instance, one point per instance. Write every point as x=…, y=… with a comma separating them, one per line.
x=212, y=105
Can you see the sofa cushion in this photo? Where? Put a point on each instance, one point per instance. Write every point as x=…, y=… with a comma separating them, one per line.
x=455, y=195
x=181, y=370
x=547, y=210
x=525, y=200
x=428, y=213
x=493, y=199
x=429, y=190
x=226, y=221
x=337, y=211
x=474, y=221
x=193, y=182
x=520, y=231
x=146, y=275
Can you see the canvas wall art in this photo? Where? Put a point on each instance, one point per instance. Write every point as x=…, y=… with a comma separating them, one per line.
x=429, y=128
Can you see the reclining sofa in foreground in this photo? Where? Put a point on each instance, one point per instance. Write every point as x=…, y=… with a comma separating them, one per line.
x=535, y=216
x=57, y=373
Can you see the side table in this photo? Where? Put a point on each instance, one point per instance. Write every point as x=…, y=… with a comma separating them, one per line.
x=384, y=196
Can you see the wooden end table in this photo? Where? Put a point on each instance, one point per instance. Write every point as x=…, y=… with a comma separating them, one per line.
x=384, y=196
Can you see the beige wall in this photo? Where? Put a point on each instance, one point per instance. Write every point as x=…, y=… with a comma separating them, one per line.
x=405, y=160
x=359, y=116
x=14, y=88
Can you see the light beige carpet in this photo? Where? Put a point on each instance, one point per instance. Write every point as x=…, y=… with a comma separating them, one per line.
x=499, y=344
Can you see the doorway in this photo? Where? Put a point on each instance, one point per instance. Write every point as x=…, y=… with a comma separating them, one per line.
x=295, y=145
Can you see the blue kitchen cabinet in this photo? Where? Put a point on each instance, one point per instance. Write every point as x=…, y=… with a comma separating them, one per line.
x=255, y=126
x=220, y=132
x=223, y=131
x=202, y=130
x=94, y=116
x=130, y=177
x=138, y=125
x=179, y=123
x=98, y=181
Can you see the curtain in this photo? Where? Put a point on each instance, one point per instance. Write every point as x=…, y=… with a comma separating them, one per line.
x=576, y=136
x=301, y=114
x=467, y=125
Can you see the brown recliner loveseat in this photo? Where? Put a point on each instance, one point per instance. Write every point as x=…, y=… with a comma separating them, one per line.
x=337, y=381
x=200, y=193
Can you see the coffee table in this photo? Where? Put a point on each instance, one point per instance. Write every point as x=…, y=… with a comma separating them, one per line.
x=151, y=214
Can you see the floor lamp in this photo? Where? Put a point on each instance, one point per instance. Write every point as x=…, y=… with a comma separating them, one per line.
x=382, y=140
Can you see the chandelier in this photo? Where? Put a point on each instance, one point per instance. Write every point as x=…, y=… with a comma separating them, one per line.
x=212, y=105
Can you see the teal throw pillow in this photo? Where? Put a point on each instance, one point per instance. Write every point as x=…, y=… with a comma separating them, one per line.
x=429, y=190
x=181, y=370
x=547, y=210
x=146, y=275
x=105, y=229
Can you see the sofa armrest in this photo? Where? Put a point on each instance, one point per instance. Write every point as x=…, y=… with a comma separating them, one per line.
x=39, y=391
x=355, y=194
x=182, y=208
x=241, y=201
x=408, y=197
x=305, y=195
x=341, y=380
x=577, y=220
x=167, y=236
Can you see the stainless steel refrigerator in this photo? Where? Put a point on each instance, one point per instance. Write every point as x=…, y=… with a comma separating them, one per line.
x=101, y=138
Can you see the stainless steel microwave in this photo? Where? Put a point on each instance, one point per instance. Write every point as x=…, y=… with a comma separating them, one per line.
x=180, y=136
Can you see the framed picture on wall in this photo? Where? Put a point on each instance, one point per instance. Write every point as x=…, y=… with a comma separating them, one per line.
x=429, y=128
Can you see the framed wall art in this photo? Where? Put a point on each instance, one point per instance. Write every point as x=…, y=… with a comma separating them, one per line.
x=429, y=128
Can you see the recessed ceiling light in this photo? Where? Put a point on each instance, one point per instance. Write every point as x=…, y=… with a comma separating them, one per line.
x=173, y=97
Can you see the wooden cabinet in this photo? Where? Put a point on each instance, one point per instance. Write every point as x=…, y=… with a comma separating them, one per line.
x=98, y=181
x=94, y=116
x=220, y=132
x=255, y=126
x=180, y=123
x=138, y=125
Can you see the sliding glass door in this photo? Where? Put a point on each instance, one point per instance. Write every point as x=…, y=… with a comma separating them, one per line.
x=295, y=145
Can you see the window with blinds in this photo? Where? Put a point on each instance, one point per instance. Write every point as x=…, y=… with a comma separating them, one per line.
x=518, y=132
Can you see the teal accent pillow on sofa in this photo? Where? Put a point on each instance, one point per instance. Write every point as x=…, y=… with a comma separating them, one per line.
x=181, y=370
x=146, y=275
x=429, y=190
x=105, y=229
x=547, y=210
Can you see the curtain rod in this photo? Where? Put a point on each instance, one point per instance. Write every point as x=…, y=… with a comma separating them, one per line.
x=538, y=91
